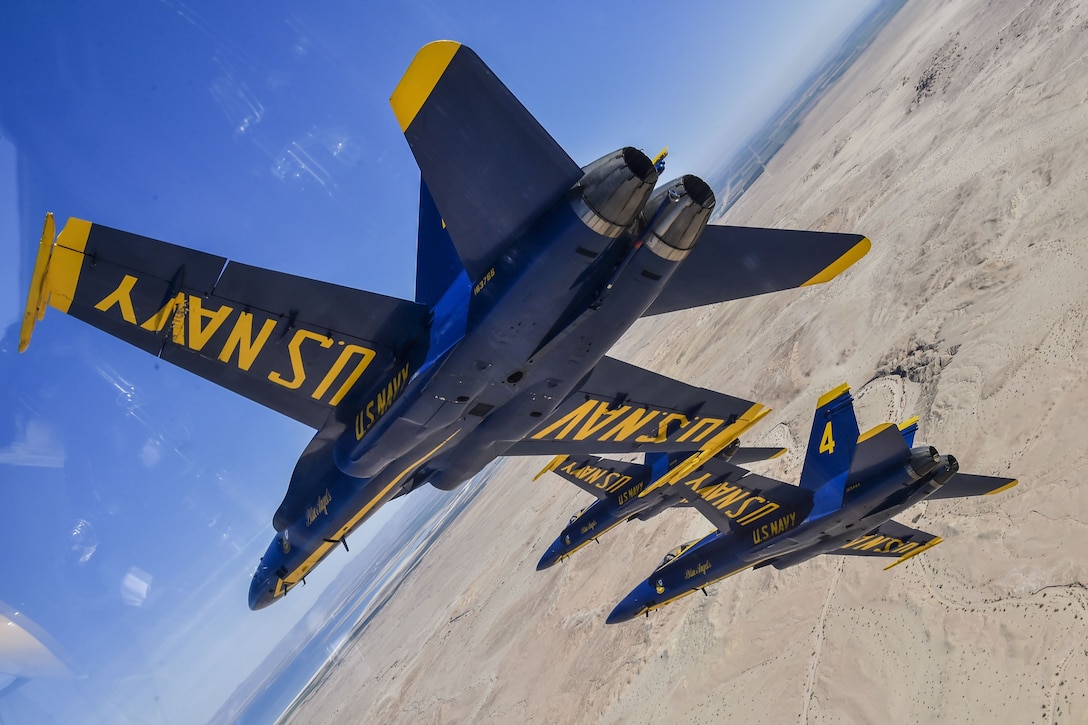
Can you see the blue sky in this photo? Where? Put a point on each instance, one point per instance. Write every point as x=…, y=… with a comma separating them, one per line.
x=138, y=497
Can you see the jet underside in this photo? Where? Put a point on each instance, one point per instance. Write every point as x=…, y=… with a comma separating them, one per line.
x=529, y=269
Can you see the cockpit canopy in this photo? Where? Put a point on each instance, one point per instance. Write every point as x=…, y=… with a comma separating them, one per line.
x=677, y=552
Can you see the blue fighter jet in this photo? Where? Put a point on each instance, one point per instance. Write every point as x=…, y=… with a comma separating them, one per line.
x=617, y=486
x=529, y=268
x=851, y=487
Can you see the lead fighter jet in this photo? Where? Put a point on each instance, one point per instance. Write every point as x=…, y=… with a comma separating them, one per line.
x=851, y=487
x=529, y=268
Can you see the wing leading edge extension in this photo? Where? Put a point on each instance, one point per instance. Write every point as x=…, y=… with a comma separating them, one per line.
x=295, y=345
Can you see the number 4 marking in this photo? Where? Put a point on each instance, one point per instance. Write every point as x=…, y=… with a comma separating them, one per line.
x=827, y=443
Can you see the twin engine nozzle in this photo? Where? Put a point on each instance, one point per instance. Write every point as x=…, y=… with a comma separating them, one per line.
x=926, y=460
x=615, y=190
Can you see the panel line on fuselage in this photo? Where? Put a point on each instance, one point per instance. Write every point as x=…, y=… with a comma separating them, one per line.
x=293, y=577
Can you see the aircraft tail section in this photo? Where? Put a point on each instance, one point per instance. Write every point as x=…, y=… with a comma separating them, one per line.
x=832, y=441
x=460, y=120
x=437, y=262
x=909, y=428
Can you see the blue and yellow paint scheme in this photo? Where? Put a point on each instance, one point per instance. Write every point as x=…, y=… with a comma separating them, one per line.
x=530, y=267
x=617, y=486
x=844, y=506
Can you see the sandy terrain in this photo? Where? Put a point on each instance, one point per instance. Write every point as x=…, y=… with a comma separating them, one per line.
x=959, y=144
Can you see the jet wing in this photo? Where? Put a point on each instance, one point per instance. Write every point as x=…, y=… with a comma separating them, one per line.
x=622, y=408
x=890, y=539
x=747, y=455
x=598, y=476
x=744, y=503
x=968, y=484
x=729, y=263
x=294, y=345
x=489, y=165
x=733, y=499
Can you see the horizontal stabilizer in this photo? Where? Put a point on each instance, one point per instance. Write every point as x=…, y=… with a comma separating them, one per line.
x=890, y=539
x=729, y=263
x=622, y=408
x=489, y=165
x=295, y=345
x=968, y=484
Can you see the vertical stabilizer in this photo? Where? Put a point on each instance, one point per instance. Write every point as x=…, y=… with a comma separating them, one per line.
x=437, y=262
x=833, y=440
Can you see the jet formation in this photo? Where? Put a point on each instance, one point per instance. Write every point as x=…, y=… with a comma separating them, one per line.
x=851, y=487
x=529, y=268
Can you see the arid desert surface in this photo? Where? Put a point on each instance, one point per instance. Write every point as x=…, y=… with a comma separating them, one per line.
x=959, y=144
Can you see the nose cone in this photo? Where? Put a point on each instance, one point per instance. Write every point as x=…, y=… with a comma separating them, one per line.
x=262, y=590
x=638, y=601
x=552, y=555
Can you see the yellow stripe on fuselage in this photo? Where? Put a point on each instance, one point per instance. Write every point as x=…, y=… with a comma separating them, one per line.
x=611, y=526
x=293, y=577
x=420, y=79
x=659, y=605
x=834, y=269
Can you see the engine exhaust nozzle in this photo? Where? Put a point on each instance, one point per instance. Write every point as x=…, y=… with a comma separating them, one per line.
x=949, y=467
x=613, y=190
x=923, y=460
x=676, y=216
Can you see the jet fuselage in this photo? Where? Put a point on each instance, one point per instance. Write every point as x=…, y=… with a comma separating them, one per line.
x=791, y=538
x=534, y=326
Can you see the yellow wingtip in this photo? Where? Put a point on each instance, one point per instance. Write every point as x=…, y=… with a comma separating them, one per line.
x=1006, y=487
x=836, y=268
x=660, y=155
x=908, y=423
x=832, y=394
x=39, y=292
x=781, y=452
x=420, y=79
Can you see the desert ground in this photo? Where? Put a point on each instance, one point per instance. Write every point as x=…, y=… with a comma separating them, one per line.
x=959, y=144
